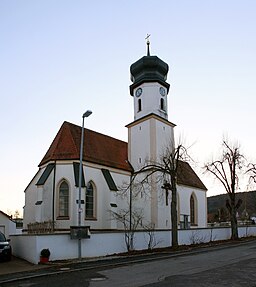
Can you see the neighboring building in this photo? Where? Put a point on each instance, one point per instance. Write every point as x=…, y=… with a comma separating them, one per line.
x=108, y=164
x=7, y=226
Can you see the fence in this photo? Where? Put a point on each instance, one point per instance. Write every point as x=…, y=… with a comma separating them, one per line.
x=41, y=227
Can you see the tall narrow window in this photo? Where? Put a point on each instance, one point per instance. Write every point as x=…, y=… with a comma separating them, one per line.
x=64, y=200
x=193, y=210
x=162, y=107
x=139, y=105
x=89, y=201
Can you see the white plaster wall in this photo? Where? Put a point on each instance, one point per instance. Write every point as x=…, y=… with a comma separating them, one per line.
x=29, y=214
x=25, y=247
x=139, y=144
x=185, y=194
x=64, y=171
x=161, y=238
x=150, y=100
x=164, y=211
x=164, y=137
x=148, y=140
x=46, y=213
x=104, y=197
x=7, y=226
x=12, y=228
x=61, y=246
x=195, y=236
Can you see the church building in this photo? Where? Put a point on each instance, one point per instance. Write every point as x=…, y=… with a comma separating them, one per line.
x=108, y=166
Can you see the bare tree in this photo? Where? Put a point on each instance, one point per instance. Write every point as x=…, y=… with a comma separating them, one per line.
x=252, y=172
x=131, y=222
x=150, y=231
x=226, y=170
x=167, y=168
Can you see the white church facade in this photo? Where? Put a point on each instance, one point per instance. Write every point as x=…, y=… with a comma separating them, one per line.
x=109, y=164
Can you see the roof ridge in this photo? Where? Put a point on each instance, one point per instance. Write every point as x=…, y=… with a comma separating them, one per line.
x=72, y=137
x=51, y=152
x=59, y=134
x=51, y=145
x=98, y=148
x=95, y=132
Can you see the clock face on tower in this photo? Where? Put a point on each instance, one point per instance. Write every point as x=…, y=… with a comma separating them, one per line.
x=162, y=91
x=138, y=92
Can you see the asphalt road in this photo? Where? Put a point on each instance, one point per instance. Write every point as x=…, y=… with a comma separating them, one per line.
x=228, y=266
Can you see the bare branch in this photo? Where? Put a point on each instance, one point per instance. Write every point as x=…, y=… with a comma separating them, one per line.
x=226, y=171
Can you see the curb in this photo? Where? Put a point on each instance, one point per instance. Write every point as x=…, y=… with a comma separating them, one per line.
x=53, y=268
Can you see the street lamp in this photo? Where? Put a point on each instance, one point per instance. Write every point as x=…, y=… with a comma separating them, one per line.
x=85, y=115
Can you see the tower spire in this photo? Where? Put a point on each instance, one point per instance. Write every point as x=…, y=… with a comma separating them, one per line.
x=148, y=44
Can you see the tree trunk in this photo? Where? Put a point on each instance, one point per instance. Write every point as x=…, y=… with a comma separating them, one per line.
x=174, y=215
x=232, y=208
x=234, y=228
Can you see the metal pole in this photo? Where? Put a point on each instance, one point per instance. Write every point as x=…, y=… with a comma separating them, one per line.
x=85, y=115
x=80, y=187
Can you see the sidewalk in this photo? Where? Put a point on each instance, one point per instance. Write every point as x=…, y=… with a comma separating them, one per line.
x=18, y=265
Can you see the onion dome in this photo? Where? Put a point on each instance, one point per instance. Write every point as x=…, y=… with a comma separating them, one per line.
x=149, y=69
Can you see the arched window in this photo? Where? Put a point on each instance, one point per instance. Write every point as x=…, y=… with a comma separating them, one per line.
x=90, y=201
x=63, y=200
x=162, y=106
x=193, y=211
x=139, y=105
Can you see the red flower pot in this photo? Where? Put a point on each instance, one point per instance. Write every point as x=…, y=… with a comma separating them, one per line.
x=44, y=259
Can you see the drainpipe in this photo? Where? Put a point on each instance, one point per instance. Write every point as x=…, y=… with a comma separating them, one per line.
x=53, y=197
x=130, y=219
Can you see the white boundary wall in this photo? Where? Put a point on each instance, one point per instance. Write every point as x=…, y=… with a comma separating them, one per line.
x=62, y=247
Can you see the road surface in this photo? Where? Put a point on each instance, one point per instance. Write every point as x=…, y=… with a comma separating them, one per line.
x=228, y=266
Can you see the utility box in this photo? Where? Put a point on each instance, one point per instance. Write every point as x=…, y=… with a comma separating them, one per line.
x=80, y=232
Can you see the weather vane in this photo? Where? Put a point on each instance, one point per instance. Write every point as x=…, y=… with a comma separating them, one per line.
x=148, y=43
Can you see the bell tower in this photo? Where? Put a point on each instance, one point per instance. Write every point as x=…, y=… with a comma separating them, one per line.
x=150, y=132
x=150, y=135
x=149, y=88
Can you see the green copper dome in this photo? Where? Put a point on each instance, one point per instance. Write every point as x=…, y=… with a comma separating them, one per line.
x=148, y=69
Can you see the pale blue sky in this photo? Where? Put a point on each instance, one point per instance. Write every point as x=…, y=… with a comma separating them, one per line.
x=59, y=58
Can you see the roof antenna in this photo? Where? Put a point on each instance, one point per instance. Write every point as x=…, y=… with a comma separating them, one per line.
x=148, y=43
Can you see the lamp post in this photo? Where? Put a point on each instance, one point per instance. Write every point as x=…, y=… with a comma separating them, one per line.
x=85, y=115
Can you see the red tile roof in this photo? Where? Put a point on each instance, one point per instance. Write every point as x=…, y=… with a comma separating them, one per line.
x=103, y=150
x=98, y=148
x=187, y=176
